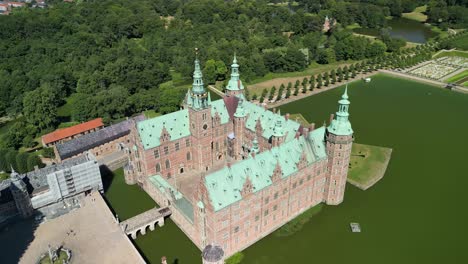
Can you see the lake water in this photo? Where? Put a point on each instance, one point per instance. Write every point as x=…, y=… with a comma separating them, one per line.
x=406, y=29
x=415, y=214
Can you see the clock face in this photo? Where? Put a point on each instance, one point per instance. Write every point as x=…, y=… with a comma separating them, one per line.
x=205, y=126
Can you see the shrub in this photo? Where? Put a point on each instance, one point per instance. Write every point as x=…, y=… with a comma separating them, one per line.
x=236, y=258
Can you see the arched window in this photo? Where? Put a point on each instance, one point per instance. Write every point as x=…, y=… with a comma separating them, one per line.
x=158, y=167
x=181, y=170
x=168, y=164
x=189, y=156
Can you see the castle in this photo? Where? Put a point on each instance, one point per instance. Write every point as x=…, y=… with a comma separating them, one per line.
x=232, y=171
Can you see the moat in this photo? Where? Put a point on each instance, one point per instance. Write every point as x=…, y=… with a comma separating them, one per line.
x=410, y=216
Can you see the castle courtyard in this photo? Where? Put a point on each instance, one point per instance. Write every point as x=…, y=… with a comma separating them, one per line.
x=88, y=232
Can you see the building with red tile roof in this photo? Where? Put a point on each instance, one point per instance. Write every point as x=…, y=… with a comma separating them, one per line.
x=65, y=134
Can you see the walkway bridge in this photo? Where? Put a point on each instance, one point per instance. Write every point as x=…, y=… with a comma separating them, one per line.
x=142, y=221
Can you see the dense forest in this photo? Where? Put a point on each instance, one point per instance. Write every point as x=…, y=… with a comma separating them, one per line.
x=116, y=57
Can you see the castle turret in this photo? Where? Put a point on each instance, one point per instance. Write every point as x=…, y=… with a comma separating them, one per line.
x=235, y=86
x=278, y=131
x=239, y=129
x=213, y=254
x=255, y=149
x=20, y=195
x=198, y=98
x=339, y=139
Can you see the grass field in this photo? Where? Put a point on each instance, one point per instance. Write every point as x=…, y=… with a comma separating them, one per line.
x=367, y=165
x=417, y=14
x=451, y=53
x=458, y=77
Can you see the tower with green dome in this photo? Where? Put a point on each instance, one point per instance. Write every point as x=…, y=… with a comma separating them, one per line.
x=339, y=139
x=198, y=98
x=235, y=86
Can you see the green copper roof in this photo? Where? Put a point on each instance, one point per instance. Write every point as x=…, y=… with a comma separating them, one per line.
x=268, y=121
x=176, y=124
x=235, y=83
x=340, y=125
x=240, y=111
x=198, y=98
x=219, y=107
x=225, y=186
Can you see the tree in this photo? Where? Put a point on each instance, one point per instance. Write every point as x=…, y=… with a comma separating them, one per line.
x=33, y=161
x=40, y=107
x=10, y=159
x=209, y=72
x=312, y=83
x=304, y=84
x=221, y=70
x=272, y=93
x=333, y=76
x=296, y=85
x=319, y=81
x=254, y=97
x=289, y=85
x=3, y=161
x=22, y=162
x=48, y=153
x=280, y=92
x=288, y=92
x=296, y=90
x=247, y=93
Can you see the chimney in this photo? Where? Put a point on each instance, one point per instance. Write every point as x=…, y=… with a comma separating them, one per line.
x=312, y=127
x=305, y=132
x=331, y=117
x=253, y=154
x=297, y=134
x=163, y=260
x=286, y=116
x=228, y=164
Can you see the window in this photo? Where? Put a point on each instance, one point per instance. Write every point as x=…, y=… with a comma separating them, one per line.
x=177, y=146
x=267, y=200
x=257, y=218
x=187, y=142
x=189, y=156
x=168, y=164
x=294, y=185
x=301, y=182
x=158, y=167
x=217, y=146
x=225, y=223
x=247, y=224
x=285, y=190
x=226, y=235
x=156, y=153
x=166, y=150
x=236, y=229
x=308, y=177
x=266, y=212
x=275, y=207
x=276, y=195
x=204, y=116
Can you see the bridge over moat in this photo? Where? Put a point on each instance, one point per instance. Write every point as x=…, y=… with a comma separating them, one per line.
x=142, y=221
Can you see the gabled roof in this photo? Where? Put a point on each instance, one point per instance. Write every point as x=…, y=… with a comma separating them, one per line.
x=268, y=120
x=231, y=103
x=176, y=124
x=225, y=186
x=219, y=107
x=71, y=131
x=80, y=144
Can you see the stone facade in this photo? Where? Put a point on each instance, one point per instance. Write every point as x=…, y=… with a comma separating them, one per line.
x=233, y=172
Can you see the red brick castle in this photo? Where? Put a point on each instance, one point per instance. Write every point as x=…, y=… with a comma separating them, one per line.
x=232, y=171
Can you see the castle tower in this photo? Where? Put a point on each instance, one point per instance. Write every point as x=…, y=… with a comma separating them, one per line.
x=213, y=255
x=339, y=137
x=239, y=129
x=235, y=86
x=278, y=132
x=198, y=102
x=20, y=195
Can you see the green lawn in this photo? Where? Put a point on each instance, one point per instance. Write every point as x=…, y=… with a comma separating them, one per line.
x=451, y=53
x=151, y=113
x=417, y=14
x=457, y=77
x=461, y=43
x=367, y=164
